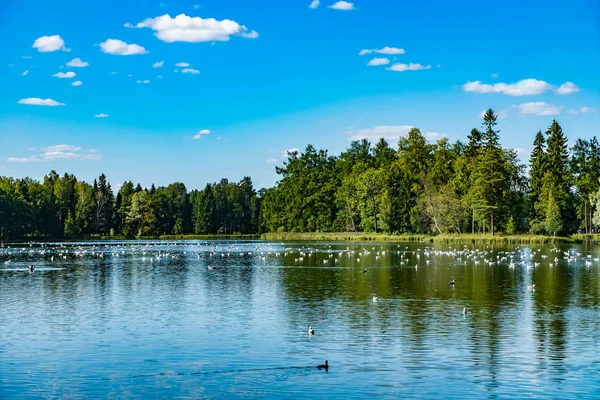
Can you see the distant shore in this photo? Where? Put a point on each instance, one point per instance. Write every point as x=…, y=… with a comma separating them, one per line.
x=465, y=239
x=345, y=237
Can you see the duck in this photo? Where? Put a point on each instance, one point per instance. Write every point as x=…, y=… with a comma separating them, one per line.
x=464, y=312
x=31, y=268
x=324, y=366
x=311, y=331
x=211, y=268
x=452, y=282
x=531, y=287
x=374, y=299
x=365, y=271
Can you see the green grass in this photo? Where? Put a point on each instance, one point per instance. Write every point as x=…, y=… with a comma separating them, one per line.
x=586, y=237
x=372, y=237
x=343, y=237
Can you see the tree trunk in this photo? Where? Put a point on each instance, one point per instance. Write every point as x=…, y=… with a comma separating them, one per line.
x=350, y=214
x=492, y=223
x=473, y=222
x=585, y=215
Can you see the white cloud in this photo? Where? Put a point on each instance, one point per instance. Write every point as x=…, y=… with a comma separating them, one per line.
x=114, y=73
x=35, y=101
x=378, y=61
x=63, y=75
x=146, y=81
x=201, y=133
x=101, y=115
x=538, y=108
x=586, y=109
x=398, y=67
x=523, y=87
x=77, y=63
x=285, y=152
x=24, y=159
x=567, y=88
x=77, y=83
x=46, y=44
x=386, y=50
x=26, y=57
x=196, y=6
x=182, y=64
x=190, y=71
x=314, y=4
x=159, y=76
x=495, y=76
x=274, y=160
x=25, y=72
x=158, y=64
x=390, y=132
x=342, y=5
x=187, y=29
x=57, y=152
x=62, y=148
x=120, y=48
x=499, y=114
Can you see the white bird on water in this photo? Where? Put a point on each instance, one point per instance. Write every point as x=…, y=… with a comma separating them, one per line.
x=311, y=331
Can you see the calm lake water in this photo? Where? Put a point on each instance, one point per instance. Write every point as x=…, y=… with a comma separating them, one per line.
x=149, y=319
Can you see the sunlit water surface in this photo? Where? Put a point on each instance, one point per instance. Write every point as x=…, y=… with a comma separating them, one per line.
x=149, y=319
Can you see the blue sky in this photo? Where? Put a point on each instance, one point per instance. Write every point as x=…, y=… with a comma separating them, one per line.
x=260, y=77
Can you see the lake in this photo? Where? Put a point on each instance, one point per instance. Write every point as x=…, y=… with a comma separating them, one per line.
x=150, y=319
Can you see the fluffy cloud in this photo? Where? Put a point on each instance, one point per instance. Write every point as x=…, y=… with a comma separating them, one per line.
x=77, y=83
x=538, y=108
x=101, y=115
x=398, y=67
x=190, y=71
x=146, y=81
x=57, y=152
x=120, y=48
x=378, y=61
x=285, y=152
x=583, y=110
x=314, y=4
x=390, y=133
x=187, y=29
x=567, y=88
x=25, y=72
x=77, y=63
x=495, y=76
x=201, y=133
x=63, y=75
x=158, y=64
x=386, y=50
x=342, y=5
x=47, y=44
x=35, y=101
x=523, y=87
x=182, y=64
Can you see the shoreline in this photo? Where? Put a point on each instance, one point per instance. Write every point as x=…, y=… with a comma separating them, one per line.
x=342, y=237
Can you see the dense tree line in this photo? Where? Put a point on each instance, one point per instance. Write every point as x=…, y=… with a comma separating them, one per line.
x=65, y=207
x=422, y=187
x=442, y=187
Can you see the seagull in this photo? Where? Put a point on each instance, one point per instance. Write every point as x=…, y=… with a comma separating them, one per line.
x=374, y=299
x=211, y=268
x=311, y=331
x=464, y=312
x=365, y=271
x=31, y=268
x=452, y=282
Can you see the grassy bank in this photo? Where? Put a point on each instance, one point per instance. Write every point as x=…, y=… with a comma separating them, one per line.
x=456, y=239
x=344, y=237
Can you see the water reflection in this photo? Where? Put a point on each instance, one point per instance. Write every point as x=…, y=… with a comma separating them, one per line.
x=129, y=319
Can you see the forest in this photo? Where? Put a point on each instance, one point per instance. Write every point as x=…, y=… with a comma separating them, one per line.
x=420, y=187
